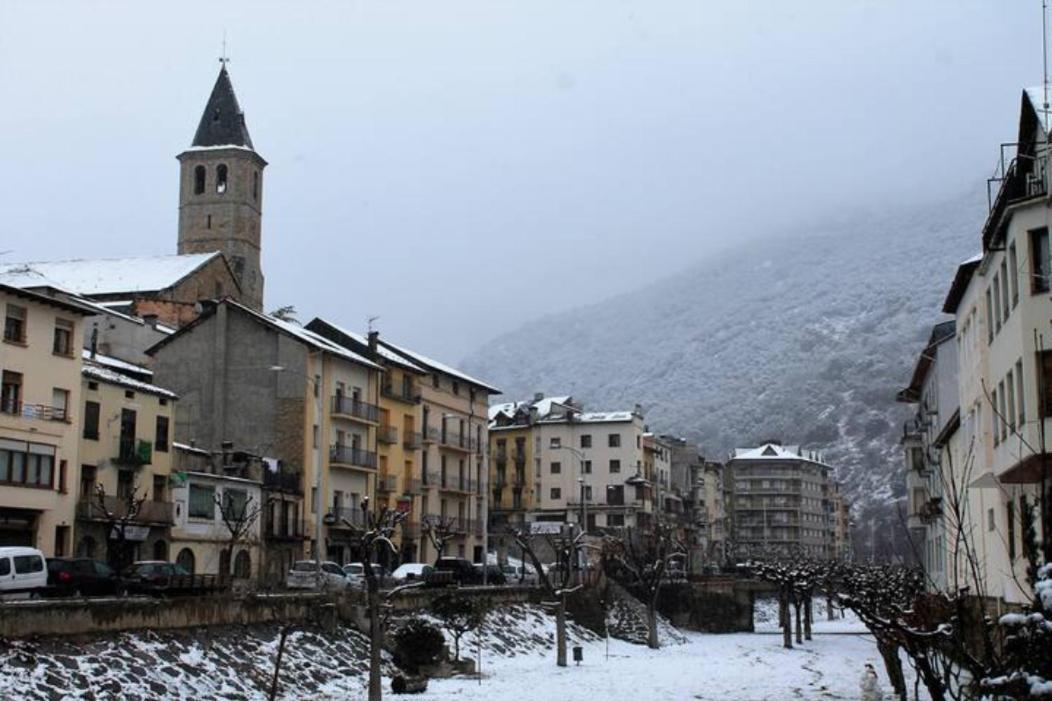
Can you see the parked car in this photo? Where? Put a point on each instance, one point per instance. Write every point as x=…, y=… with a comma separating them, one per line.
x=461, y=571
x=355, y=573
x=80, y=576
x=493, y=574
x=304, y=575
x=149, y=576
x=23, y=574
x=519, y=574
x=411, y=571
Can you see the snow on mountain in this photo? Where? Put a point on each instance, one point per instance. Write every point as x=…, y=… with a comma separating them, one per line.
x=805, y=337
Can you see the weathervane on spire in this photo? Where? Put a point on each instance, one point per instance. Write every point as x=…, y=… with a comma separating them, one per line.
x=224, y=59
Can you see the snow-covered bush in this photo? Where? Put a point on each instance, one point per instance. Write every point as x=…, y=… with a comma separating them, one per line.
x=1027, y=672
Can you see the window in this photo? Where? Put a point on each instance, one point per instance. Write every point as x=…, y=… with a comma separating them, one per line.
x=434, y=381
x=1039, y=261
x=456, y=387
x=556, y=493
x=587, y=492
x=59, y=404
x=989, y=318
x=199, y=180
x=1006, y=302
x=613, y=440
x=235, y=502
x=11, y=392
x=1045, y=388
x=160, y=442
x=1001, y=409
x=202, y=501
x=991, y=524
x=1010, y=401
x=221, y=172
x=1010, y=516
x=586, y=441
x=615, y=466
x=1013, y=265
x=15, y=324
x=615, y=520
x=555, y=442
x=255, y=185
x=242, y=565
x=997, y=300
x=185, y=559
x=586, y=466
x=25, y=564
x=61, y=538
x=1020, y=396
x=556, y=468
x=63, y=342
x=91, y=421
x=993, y=417
x=5, y=566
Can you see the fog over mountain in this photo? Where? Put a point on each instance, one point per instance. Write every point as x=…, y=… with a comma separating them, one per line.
x=805, y=338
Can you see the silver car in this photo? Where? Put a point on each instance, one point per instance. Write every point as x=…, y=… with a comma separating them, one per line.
x=304, y=575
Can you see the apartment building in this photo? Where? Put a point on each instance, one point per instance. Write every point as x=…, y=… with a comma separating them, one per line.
x=400, y=478
x=124, y=464
x=713, y=491
x=40, y=400
x=454, y=460
x=781, y=501
x=933, y=392
x=280, y=391
x=512, y=476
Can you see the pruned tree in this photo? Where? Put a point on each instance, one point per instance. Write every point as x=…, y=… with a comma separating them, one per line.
x=556, y=579
x=459, y=615
x=118, y=515
x=239, y=520
x=440, y=530
x=286, y=313
x=642, y=559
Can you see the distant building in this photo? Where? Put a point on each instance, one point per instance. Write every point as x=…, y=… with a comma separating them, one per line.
x=782, y=502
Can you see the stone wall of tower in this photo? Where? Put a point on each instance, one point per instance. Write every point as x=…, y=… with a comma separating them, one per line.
x=228, y=221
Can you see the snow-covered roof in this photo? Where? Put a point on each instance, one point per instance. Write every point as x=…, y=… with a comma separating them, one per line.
x=544, y=406
x=773, y=451
x=101, y=276
x=105, y=374
x=604, y=416
x=309, y=337
x=116, y=363
x=506, y=409
x=190, y=449
x=420, y=359
x=385, y=353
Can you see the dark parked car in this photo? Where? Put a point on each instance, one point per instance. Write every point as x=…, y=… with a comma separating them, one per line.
x=68, y=576
x=462, y=571
x=494, y=574
x=158, y=577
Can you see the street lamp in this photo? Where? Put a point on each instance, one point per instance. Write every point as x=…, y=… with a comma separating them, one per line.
x=317, y=474
x=580, y=480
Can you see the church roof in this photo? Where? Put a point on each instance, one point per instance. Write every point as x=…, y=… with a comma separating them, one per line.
x=107, y=276
x=223, y=122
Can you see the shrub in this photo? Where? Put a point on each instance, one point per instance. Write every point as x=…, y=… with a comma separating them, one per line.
x=417, y=643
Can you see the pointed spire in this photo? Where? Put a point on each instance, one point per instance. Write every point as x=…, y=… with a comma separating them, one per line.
x=223, y=122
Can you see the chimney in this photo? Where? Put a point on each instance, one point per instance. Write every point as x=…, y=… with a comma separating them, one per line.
x=373, y=337
x=94, y=340
x=151, y=320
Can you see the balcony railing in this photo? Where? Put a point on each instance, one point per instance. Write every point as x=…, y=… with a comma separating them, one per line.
x=456, y=484
x=499, y=454
x=520, y=478
x=345, y=516
x=386, y=483
x=404, y=393
x=117, y=508
x=431, y=479
x=285, y=481
x=412, y=486
x=133, y=453
x=356, y=408
x=412, y=440
x=348, y=455
x=41, y=412
x=456, y=441
x=292, y=529
x=430, y=434
x=500, y=480
x=387, y=433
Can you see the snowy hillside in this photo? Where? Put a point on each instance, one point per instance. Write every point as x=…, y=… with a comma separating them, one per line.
x=806, y=338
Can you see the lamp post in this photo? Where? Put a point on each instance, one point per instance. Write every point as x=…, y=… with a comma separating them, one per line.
x=317, y=473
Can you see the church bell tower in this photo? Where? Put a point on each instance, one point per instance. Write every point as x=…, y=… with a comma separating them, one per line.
x=221, y=191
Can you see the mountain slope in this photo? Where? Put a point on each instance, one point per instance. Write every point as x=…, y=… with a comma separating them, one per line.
x=804, y=338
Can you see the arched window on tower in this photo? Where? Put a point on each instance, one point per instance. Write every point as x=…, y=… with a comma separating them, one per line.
x=221, y=178
x=199, y=180
x=255, y=185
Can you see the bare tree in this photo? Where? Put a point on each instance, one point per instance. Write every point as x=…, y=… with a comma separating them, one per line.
x=239, y=520
x=555, y=580
x=118, y=515
x=440, y=530
x=643, y=558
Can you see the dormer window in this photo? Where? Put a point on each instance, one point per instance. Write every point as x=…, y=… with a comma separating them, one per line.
x=199, y=180
x=221, y=178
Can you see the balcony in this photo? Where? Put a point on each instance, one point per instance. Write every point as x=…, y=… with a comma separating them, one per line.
x=456, y=441
x=133, y=453
x=431, y=479
x=520, y=478
x=282, y=481
x=500, y=480
x=412, y=486
x=387, y=434
x=406, y=392
x=386, y=483
x=116, y=508
x=354, y=457
x=412, y=440
x=40, y=412
x=430, y=434
x=456, y=484
x=292, y=529
x=355, y=409
x=345, y=517
x=500, y=454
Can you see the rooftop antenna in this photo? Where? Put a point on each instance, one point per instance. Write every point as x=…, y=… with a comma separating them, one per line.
x=224, y=59
x=1044, y=85
x=370, y=320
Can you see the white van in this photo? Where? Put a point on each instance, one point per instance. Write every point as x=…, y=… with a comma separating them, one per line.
x=23, y=573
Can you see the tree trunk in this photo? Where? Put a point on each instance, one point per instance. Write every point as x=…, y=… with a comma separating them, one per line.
x=652, y=629
x=799, y=626
x=931, y=680
x=829, y=609
x=893, y=665
x=560, y=633
x=782, y=618
x=277, y=662
x=787, y=628
x=807, y=618
x=376, y=641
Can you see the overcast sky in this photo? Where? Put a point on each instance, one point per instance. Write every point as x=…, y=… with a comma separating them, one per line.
x=460, y=167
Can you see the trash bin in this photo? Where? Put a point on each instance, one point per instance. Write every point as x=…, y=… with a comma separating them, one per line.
x=578, y=654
